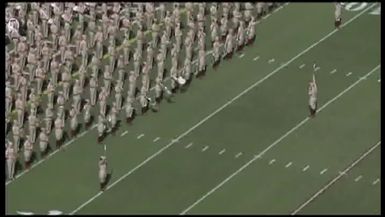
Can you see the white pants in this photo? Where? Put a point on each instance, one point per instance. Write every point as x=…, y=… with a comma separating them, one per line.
x=43, y=146
x=129, y=111
x=113, y=120
x=87, y=117
x=229, y=47
x=48, y=125
x=16, y=140
x=202, y=63
x=101, y=129
x=102, y=176
x=313, y=102
x=74, y=123
x=27, y=155
x=58, y=134
x=11, y=167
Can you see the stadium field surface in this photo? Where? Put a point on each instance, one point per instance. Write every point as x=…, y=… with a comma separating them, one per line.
x=240, y=140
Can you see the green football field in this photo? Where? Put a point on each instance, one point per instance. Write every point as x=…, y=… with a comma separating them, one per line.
x=240, y=141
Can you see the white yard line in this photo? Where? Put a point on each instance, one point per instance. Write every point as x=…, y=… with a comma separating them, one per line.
x=271, y=60
x=376, y=181
x=265, y=17
x=256, y=58
x=272, y=161
x=140, y=136
x=189, y=145
x=323, y=171
x=301, y=66
x=242, y=55
x=305, y=168
x=124, y=133
x=216, y=111
x=358, y=178
x=270, y=146
x=279, y=8
x=221, y=152
x=317, y=68
x=349, y=74
x=205, y=148
x=238, y=155
x=288, y=165
x=93, y=126
x=335, y=179
x=156, y=139
x=333, y=71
